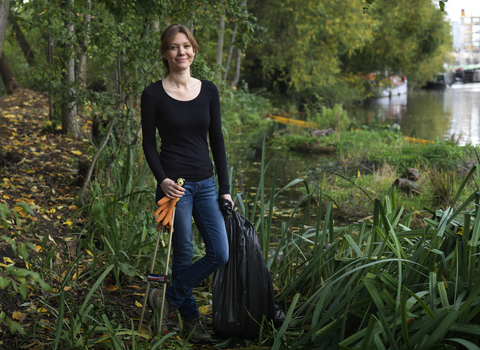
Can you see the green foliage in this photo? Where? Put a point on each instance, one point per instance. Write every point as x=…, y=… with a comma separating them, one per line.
x=378, y=283
x=328, y=48
x=325, y=117
x=244, y=108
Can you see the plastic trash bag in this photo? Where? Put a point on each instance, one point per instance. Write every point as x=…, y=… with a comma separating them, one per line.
x=242, y=289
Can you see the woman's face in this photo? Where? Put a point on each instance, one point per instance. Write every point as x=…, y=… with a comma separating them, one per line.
x=180, y=53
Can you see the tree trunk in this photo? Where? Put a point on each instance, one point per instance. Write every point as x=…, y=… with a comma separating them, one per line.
x=237, y=69
x=49, y=55
x=22, y=41
x=221, y=32
x=4, y=6
x=82, y=74
x=230, y=52
x=7, y=75
x=69, y=109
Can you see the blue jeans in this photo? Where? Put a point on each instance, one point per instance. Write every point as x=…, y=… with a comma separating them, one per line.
x=199, y=200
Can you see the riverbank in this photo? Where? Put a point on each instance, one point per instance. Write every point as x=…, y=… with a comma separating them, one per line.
x=369, y=161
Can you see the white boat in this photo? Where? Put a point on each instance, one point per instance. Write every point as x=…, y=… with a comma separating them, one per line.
x=398, y=86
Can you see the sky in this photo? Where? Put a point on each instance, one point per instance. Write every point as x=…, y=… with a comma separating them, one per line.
x=454, y=8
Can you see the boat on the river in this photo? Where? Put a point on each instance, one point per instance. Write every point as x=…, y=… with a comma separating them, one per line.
x=441, y=82
x=398, y=86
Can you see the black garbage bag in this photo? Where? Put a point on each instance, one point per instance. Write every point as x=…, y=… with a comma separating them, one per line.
x=242, y=289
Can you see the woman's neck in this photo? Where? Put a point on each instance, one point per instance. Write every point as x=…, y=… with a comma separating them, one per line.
x=179, y=80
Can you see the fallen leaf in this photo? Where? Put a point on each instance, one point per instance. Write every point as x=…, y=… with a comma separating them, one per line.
x=89, y=252
x=205, y=309
x=42, y=310
x=134, y=286
x=137, y=304
x=7, y=260
x=6, y=197
x=76, y=152
x=73, y=207
x=16, y=315
x=111, y=287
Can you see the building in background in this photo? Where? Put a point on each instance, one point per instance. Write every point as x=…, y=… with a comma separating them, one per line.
x=466, y=40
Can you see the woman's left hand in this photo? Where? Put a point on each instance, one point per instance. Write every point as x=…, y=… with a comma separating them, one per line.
x=227, y=196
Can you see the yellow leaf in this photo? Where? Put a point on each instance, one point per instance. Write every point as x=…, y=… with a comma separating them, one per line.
x=19, y=209
x=76, y=152
x=89, y=252
x=111, y=287
x=16, y=315
x=205, y=309
x=73, y=207
x=68, y=222
x=6, y=197
x=3, y=265
x=137, y=304
x=7, y=260
x=42, y=309
x=67, y=288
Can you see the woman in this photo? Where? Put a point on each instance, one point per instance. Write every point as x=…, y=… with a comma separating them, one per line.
x=185, y=110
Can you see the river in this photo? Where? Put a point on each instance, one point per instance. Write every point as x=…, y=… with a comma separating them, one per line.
x=452, y=113
x=449, y=114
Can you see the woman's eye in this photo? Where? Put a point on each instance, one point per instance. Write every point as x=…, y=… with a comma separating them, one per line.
x=187, y=46
x=173, y=47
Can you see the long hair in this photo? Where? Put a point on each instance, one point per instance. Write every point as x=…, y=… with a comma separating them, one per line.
x=167, y=38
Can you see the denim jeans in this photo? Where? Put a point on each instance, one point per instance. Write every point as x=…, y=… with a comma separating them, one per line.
x=199, y=200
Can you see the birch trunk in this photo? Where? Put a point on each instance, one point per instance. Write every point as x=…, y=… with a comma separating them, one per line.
x=221, y=32
x=69, y=109
x=83, y=57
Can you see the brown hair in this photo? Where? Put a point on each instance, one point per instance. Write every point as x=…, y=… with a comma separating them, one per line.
x=167, y=38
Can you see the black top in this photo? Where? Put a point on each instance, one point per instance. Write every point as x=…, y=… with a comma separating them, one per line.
x=183, y=127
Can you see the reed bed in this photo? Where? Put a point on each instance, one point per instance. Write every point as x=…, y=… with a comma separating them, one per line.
x=376, y=284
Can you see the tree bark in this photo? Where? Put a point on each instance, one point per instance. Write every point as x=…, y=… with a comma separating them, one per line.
x=69, y=109
x=4, y=6
x=7, y=75
x=82, y=74
x=22, y=41
x=230, y=52
x=221, y=32
x=237, y=69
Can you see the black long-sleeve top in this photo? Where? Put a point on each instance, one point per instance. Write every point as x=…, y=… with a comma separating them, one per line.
x=183, y=127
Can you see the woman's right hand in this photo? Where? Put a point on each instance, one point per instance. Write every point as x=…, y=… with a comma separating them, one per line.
x=171, y=189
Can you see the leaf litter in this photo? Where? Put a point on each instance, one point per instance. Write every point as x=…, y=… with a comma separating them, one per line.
x=39, y=179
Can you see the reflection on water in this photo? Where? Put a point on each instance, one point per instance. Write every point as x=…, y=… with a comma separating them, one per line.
x=452, y=113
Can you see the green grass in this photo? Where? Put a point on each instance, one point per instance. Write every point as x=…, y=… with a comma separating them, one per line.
x=377, y=284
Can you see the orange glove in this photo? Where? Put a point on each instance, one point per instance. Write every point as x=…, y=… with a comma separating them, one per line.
x=164, y=213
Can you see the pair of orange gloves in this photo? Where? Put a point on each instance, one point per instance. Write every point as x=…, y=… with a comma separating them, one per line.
x=164, y=213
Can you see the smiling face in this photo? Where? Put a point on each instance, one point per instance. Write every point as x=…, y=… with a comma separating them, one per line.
x=180, y=53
